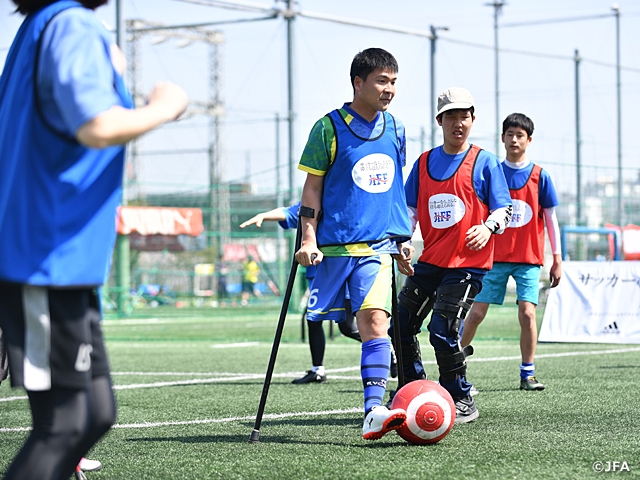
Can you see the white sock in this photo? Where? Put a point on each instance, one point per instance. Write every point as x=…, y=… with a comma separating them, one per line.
x=319, y=370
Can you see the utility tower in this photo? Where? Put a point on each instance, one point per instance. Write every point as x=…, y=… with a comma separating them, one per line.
x=213, y=108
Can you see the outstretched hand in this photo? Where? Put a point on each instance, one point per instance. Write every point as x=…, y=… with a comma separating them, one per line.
x=255, y=220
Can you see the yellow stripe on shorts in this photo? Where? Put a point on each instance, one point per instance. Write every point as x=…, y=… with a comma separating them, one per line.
x=379, y=296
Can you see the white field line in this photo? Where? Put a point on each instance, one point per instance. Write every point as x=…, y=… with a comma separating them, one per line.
x=225, y=377
x=235, y=345
x=213, y=420
x=13, y=399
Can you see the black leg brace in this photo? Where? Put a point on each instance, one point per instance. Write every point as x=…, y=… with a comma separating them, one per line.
x=453, y=302
x=418, y=304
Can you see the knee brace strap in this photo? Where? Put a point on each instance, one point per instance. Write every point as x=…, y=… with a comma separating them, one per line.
x=410, y=353
x=453, y=302
x=451, y=364
x=416, y=301
x=452, y=298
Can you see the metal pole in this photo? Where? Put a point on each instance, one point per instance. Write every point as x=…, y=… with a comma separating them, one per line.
x=619, y=216
x=278, y=182
x=290, y=16
x=497, y=6
x=290, y=97
x=119, y=23
x=282, y=278
x=578, y=143
x=432, y=41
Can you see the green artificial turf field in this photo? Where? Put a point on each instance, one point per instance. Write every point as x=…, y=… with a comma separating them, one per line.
x=188, y=383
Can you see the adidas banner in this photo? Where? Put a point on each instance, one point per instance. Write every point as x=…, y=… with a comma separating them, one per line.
x=596, y=302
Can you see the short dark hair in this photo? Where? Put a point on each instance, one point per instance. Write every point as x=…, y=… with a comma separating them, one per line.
x=518, y=120
x=29, y=6
x=471, y=110
x=369, y=60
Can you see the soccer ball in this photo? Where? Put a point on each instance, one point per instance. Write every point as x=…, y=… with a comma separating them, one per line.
x=430, y=411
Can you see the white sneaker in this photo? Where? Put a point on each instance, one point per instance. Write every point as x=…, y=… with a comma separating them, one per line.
x=87, y=465
x=381, y=421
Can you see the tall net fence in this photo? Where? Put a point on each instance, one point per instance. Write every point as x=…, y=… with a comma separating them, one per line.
x=210, y=269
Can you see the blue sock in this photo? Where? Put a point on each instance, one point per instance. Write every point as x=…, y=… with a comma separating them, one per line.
x=374, y=369
x=526, y=370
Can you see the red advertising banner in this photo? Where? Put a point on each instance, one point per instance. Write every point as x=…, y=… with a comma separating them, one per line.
x=159, y=221
x=630, y=241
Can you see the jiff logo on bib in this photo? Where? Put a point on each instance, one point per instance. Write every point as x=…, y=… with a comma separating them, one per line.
x=522, y=214
x=445, y=210
x=374, y=173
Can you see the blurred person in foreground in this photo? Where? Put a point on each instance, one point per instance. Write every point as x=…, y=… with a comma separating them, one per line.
x=65, y=116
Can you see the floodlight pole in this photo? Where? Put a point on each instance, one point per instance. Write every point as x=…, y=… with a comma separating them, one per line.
x=290, y=18
x=577, y=60
x=282, y=277
x=119, y=23
x=432, y=41
x=616, y=9
x=497, y=9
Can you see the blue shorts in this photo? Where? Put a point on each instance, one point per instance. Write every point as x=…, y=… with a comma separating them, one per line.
x=494, y=285
x=366, y=279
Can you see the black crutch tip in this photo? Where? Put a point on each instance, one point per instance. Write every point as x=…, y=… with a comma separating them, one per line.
x=254, y=437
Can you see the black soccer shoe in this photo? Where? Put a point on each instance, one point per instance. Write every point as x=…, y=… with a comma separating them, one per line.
x=311, y=377
x=466, y=410
x=530, y=383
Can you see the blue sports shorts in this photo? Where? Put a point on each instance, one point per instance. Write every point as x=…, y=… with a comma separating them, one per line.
x=494, y=285
x=366, y=279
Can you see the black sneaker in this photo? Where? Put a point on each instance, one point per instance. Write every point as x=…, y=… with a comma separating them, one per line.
x=466, y=410
x=311, y=377
x=530, y=383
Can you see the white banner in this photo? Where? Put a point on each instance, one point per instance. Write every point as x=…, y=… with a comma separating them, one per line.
x=596, y=302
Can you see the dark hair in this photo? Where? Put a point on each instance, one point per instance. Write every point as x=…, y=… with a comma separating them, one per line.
x=471, y=110
x=518, y=120
x=29, y=6
x=369, y=60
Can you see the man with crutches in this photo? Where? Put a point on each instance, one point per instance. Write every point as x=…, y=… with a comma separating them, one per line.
x=354, y=217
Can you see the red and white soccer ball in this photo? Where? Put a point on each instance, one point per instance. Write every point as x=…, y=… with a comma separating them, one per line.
x=430, y=411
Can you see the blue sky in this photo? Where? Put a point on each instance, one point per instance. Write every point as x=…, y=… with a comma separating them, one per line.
x=540, y=85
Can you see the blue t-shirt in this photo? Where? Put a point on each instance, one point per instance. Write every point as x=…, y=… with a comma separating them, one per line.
x=291, y=214
x=488, y=179
x=517, y=177
x=75, y=74
x=58, y=198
